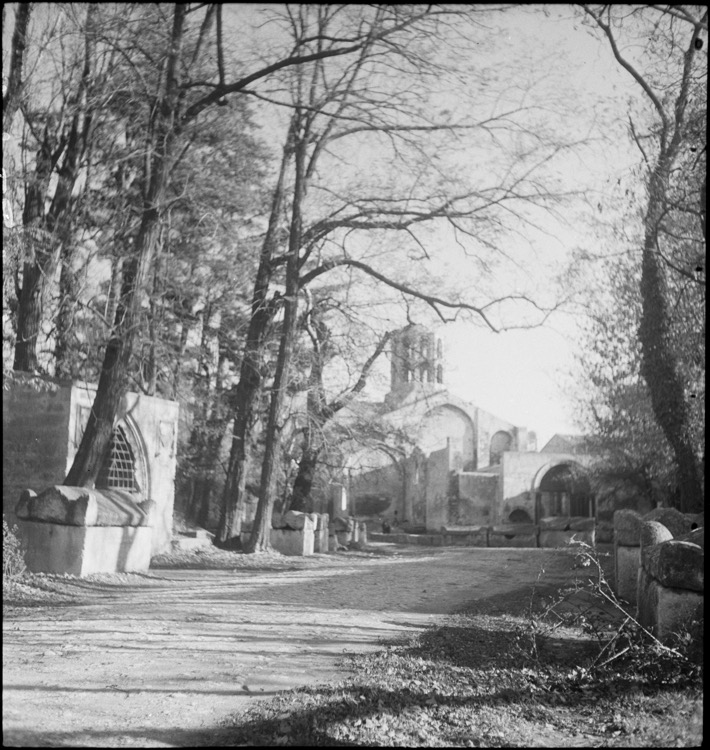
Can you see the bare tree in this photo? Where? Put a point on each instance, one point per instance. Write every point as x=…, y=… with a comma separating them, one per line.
x=63, y=133
x=335, y=103
x=665, y=155
x=320, y=409
x=171, y=114
x=137, y=271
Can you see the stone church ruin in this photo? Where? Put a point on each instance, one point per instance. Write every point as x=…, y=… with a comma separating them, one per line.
x=463, y=475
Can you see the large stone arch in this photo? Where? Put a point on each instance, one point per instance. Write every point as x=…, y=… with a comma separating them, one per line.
x=562, y=487
x=375, y=481
x=447, y=424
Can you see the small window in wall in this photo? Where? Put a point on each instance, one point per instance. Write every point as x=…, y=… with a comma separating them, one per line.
x=118, y=471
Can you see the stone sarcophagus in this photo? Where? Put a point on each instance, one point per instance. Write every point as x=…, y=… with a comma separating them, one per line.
x=43, y=423
x=80, y=531
x=628, y=525
x=671, y=579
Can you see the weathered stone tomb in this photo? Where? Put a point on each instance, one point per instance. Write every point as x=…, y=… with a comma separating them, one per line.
x=126, y=518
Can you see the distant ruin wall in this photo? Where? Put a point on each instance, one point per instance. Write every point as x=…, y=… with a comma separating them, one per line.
x=477, y=498
x=438, y=477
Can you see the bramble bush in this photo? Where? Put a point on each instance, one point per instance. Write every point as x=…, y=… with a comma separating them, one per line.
x=13, y=559
x=624, y=650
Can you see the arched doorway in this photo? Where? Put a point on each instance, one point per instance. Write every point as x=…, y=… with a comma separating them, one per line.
x=564, y=490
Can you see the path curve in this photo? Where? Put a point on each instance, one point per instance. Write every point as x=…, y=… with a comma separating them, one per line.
x=160, y=658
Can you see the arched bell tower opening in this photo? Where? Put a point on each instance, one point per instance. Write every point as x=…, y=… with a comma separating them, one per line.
x=417, y=357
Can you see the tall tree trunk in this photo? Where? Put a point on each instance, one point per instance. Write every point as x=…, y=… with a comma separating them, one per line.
x=659, y=363
x=136, y=277
x=68, y=293
x=246, y=394
x=53, y=230
x=303, y=483
x=261, y=531
x=15, y=85
x=209, y=426
x=38, y=252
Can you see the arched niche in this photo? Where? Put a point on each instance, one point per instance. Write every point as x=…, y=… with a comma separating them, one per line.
x=447, y=424
x=500, y=442
x=562, y=488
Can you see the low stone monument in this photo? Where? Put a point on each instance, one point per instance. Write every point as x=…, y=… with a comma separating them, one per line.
x=627, y=544
x=671, y=578
x=320, y=540
x=465, y=536
x=513, y=535
x=79, y=531
x=291, y=534
x=558, y=531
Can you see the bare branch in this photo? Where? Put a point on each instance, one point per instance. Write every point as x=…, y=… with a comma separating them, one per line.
x=637, y=141
x=433, y=301
x=631, y=69
x=680, y=12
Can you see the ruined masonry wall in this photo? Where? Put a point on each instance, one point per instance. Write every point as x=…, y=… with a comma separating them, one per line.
x=477, y=498
x=34, y=441
x=516, y=484
x=487, y=425
x=519, y=470
x=438, y=477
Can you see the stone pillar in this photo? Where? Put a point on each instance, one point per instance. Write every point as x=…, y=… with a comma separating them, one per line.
x=320, y=542
x=338, y=500
x=627, y=553
x=363, y=532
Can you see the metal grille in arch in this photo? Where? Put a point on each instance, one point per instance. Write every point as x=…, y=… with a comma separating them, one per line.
x=118, y=471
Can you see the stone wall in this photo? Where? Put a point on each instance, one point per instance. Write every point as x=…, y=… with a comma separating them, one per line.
x=379, y=490
x=438, y=479
x=477, y=494
x=34, y=440
x=515, y=492
x=521, y=473
x=487, y=425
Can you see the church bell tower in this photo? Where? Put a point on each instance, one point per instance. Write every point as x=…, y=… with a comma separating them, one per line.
x=417, y=357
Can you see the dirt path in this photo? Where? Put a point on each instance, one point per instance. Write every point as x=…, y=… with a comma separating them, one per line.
x=159, y=660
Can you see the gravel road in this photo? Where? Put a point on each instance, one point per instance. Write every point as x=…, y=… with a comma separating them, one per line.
x=158, y=660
